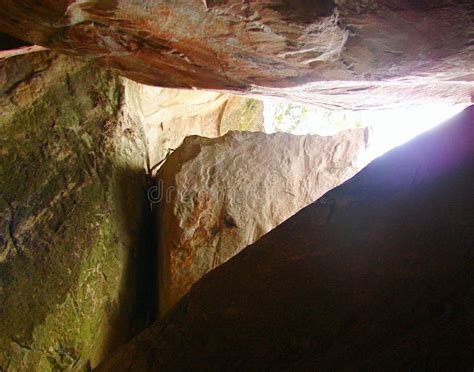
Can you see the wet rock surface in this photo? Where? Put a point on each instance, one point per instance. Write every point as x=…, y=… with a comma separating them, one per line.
x=374, y=275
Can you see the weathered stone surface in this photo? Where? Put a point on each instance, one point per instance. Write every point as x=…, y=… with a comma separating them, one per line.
x=373, y=276
x=339, y=54
x=220, y=195
x=169, y=115
x=71, y=208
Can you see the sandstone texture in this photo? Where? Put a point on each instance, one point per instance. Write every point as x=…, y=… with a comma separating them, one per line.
x=373, y=276
x=72, y=210
x=169, y=115
x=333, y=53
x=217, y=196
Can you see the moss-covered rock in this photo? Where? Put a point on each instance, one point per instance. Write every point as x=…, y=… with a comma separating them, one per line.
x=71, y=210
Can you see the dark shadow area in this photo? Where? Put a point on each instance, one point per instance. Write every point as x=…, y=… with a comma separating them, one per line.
x=143, y=273
x=140, y=274
x=8, y=42
x=135, y=309
x=295, y=10
x=304, y=10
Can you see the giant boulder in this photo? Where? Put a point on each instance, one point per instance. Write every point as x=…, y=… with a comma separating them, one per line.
x=220, y=195
x=76, y=144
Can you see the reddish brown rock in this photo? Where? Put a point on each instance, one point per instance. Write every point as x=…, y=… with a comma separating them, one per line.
x=339, y=54
x=220, y=195
x=375, y=275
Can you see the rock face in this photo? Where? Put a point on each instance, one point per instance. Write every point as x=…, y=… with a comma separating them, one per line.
x=342, y=53
x=76, y=258
x=375, y=275
x=220, y=195
x=169, y=115
x=72, y=210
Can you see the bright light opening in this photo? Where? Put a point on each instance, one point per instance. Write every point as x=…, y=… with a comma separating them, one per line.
x=387, y=128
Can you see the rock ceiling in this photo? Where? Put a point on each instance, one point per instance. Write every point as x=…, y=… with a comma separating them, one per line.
x=340, y=54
